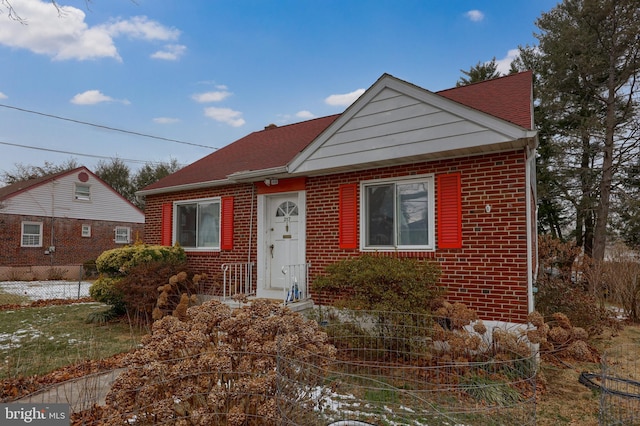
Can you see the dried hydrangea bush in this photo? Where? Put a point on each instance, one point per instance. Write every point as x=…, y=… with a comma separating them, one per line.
x=217, y=366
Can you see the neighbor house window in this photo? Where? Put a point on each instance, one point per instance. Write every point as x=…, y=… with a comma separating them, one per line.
x=123, y=235
x=82, y=192
x=31, y=234
x=86, y=230
x=197, y=224
x=398, y=214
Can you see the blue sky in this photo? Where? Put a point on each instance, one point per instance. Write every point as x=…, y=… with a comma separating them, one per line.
x=205, y=72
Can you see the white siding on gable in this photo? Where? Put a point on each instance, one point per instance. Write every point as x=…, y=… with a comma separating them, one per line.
x=57, y=198
x=396, y=123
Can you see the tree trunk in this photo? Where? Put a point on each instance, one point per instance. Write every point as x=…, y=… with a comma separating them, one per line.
x=602, y=213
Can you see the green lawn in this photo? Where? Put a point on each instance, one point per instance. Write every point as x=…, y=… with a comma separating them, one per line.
x=39, y=340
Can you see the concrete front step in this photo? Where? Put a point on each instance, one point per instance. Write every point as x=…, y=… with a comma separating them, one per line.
x=301, y=305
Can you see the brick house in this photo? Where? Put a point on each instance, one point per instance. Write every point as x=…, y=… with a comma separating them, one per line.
x=447, y=176
x=60, y=221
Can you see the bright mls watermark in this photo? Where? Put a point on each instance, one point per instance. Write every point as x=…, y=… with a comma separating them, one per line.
x=34, y=414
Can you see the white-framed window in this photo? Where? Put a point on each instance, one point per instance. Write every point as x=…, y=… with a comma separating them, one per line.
x=398, y=214
x=123, y=235
x=31, y=234
x=82, y=192
x=197, y=224
x=86, y=230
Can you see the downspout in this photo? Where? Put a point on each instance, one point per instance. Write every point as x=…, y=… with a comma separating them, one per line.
x=53, y=216
x=529, y=171
x=253, y=192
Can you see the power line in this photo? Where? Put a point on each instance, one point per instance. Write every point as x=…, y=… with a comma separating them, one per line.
x=57, y=117
x=104, y=157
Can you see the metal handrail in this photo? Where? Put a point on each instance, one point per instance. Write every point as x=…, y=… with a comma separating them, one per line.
x=237, y=278
x=296, y=286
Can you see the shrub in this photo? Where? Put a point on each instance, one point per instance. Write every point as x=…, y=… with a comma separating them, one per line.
x=382, y=283
x=89, y=268
x=220, y=367
x=619, y=280
x=144, y=283
x=562, y=288
x=105, y=290
x=54, y=273
x=117, y=262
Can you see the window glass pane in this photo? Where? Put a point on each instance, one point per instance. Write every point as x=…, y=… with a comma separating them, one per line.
x=32, y=229
x=31, y=235
x=122, y=235
x=379, y=215
x=186, y=225
x=288, y=208
x=208, y=226
x=83, y=192
x=412, y=214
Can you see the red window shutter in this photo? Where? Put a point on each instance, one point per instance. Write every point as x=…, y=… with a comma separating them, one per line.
x=167, y=226
x=449, y=211
x=226, y=226
x=348, y=221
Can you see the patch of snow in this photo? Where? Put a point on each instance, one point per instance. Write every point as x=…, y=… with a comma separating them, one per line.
x=43, y=290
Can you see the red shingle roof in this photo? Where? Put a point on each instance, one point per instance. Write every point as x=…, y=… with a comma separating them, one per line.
x=18, y=187
x=508, y=98
x=265, y=149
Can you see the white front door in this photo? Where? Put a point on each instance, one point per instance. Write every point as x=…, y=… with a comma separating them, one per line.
x=282, y=242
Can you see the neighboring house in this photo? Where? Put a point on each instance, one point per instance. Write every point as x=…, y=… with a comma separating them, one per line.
x=61, y=221
x=447, y=176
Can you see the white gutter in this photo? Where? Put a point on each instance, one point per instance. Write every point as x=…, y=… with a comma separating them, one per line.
x=185, y=187
x=254, y=175
x=238, y=177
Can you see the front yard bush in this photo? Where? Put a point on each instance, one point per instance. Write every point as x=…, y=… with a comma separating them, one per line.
x=382, y=283
x=118, y=262
x=563, y=286
x=132, y=278
x=156, y=285
x=105, y=290
x=218, y=366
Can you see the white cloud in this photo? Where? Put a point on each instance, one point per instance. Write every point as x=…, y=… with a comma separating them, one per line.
x=210, y=96
x=305, y=114
x=62, y=33
x=166, y=120
x=504, y=64
x=225, y=115
x=171, y=52
x=475, y=15
x=92, y=97
x=3, y=96
x=344, y=99
x=140, y=27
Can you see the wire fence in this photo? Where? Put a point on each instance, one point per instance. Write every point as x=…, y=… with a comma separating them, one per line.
x=619, y=384
x=24, y=292
x=387, y=369
x=391, y=368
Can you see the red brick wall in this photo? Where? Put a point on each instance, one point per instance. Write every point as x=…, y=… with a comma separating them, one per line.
x=70, y=247
x=489, y=272
x=211, y=262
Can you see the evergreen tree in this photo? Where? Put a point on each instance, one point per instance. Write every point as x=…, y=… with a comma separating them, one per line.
x=479, y=72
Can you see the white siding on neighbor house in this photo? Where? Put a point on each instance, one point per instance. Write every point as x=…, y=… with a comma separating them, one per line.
x=57, y=199
x=402, y=123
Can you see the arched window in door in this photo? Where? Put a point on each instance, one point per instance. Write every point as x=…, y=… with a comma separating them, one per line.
x=287, y=209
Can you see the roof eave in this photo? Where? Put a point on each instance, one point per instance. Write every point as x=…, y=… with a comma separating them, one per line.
x=184, y=187
x=256, y=175
x=237, y=177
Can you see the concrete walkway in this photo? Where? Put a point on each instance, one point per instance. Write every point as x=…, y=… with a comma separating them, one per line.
x=81, y=394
